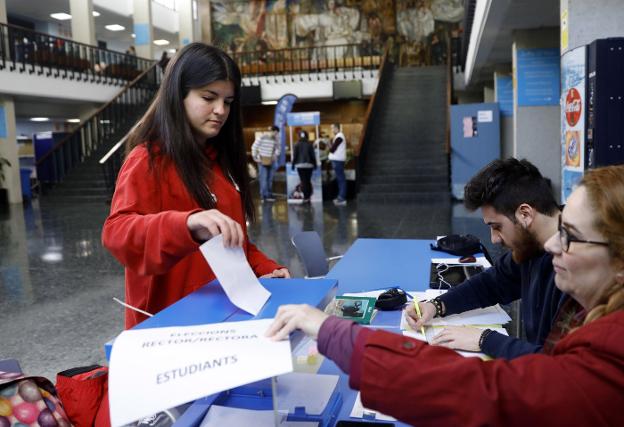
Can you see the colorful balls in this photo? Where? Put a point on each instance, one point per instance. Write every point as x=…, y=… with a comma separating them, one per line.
x=4, y=422
x=46, y=419
x=26, y=412
x=8, y=391
x=29, y=391
x=5, y=407
x=62, y=422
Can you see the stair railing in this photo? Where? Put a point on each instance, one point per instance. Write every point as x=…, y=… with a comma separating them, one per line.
x=27, y=51
x=361, y=150
x=107, y=125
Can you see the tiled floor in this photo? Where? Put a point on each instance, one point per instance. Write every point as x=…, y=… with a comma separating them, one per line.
x=57, y=282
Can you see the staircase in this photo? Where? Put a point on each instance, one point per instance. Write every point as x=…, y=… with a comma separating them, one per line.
x=406, y=158
x=71, y=172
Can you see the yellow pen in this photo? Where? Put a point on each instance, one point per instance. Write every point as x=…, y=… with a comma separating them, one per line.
x=417, y=307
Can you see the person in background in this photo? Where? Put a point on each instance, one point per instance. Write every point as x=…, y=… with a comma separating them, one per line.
x=338, y=157
x=265, y=151
x=579, y=378
x=518, y=205
x=184, y=181
x=304, y=160
x=164, y=60
x=131, y=51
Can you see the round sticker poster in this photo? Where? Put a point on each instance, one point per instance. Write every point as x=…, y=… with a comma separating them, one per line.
x=573, y=107
x=572, y=149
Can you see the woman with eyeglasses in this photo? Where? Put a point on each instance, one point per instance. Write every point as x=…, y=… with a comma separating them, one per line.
x=578, y=379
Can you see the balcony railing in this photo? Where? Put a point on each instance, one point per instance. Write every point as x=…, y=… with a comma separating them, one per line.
x=26, y=51
x=311, y=62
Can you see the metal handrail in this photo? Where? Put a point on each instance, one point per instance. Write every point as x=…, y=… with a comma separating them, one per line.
x=26, y=50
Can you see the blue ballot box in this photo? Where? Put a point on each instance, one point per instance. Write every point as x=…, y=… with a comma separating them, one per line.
x=306, y=397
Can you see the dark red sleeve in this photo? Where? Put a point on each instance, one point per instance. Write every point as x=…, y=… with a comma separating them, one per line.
x=259, y=262
x=432, y=386
x=143, y=238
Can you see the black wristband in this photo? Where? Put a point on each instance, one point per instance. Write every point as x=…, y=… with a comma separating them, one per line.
x=439, y=307
x=483, y=336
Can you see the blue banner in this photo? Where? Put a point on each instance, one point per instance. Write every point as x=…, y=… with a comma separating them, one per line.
x=538, y=72
x=283, y=107
x=504, y=95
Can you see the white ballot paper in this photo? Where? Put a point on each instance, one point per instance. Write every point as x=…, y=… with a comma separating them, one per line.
x=235, y=275
x=155, y=369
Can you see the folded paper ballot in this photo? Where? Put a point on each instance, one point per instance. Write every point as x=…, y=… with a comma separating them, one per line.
x=155, y=369
x=235, y=275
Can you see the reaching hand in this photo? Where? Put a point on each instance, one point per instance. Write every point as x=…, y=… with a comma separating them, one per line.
x=459, y=338
x=206, y=224
x=291, y=317
x=281, y=273
x=426, y=309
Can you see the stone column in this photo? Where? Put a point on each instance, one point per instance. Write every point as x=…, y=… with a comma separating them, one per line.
x=8, y=150
x=187, y=22
x=143, y=28
x=536, y=110
x=82, y=22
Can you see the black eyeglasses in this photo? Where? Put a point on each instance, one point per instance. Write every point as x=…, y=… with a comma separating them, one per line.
x=566, y=238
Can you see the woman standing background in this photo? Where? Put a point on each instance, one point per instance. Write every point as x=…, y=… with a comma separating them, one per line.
x=184, y=181
x=304, y=160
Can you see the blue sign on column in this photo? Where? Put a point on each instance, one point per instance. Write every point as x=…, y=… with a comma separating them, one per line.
x=141, y=32
x=538, y=72
x=283, y=107
x=504, y=95
x=3, y=127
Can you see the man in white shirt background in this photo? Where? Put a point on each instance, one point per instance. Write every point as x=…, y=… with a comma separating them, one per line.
x=265, y=151
x=338, y=156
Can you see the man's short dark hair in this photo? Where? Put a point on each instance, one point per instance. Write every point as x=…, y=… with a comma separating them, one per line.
x=506, y=184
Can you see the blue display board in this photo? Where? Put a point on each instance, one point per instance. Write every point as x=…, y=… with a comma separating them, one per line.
x=504, y=95
x=538, y=76
x=3, y=127
x=304, y=119
x=283, y=107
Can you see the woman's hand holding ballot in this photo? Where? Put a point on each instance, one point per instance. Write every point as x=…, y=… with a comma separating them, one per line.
x=291, y=317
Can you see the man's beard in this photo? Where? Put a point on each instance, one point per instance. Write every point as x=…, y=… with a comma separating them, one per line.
x=526, y=246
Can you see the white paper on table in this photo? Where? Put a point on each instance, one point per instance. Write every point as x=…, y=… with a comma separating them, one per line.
x=493, y=315
x=219, y=416
x=155, y=369
x=311, y=391
x=235, y=275
x=359, y=410
x=432, y=331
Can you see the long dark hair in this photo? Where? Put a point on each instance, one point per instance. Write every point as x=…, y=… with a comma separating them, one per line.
x=165, y=125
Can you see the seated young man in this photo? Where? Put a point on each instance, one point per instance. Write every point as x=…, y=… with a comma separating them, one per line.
x=518, y=205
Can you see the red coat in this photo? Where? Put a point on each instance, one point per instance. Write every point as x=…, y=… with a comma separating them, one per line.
x=146, y=231
x=581, y=384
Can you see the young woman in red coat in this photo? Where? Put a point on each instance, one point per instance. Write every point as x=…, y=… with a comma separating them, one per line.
x=577, y=380
x=184, y=180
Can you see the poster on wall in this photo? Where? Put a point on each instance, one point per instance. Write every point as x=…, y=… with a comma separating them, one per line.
x=573, y=68
x=504, y=94
x=538, y=74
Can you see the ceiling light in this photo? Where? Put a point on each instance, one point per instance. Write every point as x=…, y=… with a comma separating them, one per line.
x=171, y=50
x=73, y=120
x=161, y=42
x=133, y=36
x=96, y=14
x=269, y=102
x=115, y=27
x=61, y=16
x=39, y=119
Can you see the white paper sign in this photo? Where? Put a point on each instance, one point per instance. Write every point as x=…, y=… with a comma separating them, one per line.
x=484, y=116
x=235, y=275
x=155, y=369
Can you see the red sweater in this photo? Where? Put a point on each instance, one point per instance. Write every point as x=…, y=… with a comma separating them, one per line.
x=146, y=231
x=581, y=383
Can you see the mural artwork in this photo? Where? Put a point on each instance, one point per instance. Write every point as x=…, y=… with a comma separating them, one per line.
x=415, y=31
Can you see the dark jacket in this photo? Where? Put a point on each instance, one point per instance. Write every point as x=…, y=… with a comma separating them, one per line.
x=533, y=281
x=303, y=153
